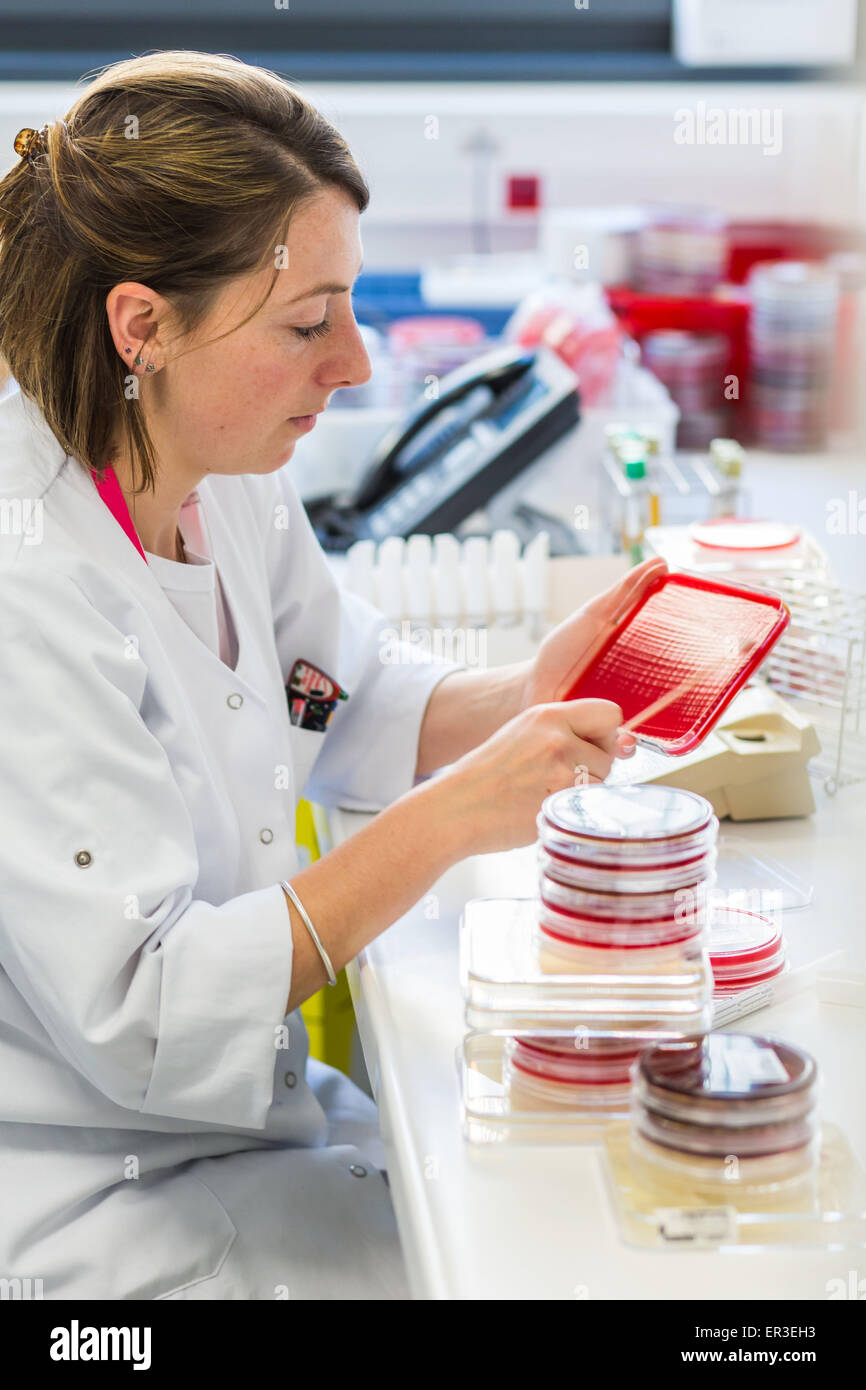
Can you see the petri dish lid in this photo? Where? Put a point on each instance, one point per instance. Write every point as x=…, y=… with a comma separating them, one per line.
x=728, y=533
x=733, y=1080
x=738, y=938
x=643, y=823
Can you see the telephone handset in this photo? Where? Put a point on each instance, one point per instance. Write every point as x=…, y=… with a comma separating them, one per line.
x=489, y=421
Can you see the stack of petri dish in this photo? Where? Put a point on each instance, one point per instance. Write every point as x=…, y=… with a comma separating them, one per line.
x=692, y=366
x=724, y=1115
x=746, y=949
x=792, y=345
x=624, y=874
x=609, y=957
x=682, y=250
x=585, y=1073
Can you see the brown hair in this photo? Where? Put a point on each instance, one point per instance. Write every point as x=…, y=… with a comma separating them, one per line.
x=220, y=154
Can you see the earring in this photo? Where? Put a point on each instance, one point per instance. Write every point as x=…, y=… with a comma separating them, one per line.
x=137, y=362
x=149, y=367
x=127, y=351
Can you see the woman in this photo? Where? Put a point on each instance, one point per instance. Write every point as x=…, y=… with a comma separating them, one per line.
x=176, y=264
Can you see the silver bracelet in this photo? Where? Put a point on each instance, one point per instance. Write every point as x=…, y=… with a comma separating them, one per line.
x=326, y=959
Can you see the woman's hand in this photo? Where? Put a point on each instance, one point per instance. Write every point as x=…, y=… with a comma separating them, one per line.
x=558, y=662
x=494, y=793
x=467, y=707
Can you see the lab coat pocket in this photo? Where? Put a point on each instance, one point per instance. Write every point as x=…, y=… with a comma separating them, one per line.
x=184, y=1237
x=306, y=747
x=314, y=1224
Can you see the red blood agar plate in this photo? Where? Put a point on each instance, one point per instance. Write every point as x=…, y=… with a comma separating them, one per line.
x=582, y=1061
x=690, y=642
x=745, y=949
x=737, y=533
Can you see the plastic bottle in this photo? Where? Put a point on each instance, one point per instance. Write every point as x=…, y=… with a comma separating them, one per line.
x=635, y=506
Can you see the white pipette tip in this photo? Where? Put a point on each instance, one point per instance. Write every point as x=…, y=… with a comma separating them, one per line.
x=534, y=576
x=419, y=588
x=389, y=577
x=505, y=557
x=361, y=570
x=475, y=580
x=447, y=588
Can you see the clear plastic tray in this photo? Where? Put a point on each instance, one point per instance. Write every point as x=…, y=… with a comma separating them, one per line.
x=756, y=881
x=495, y=1113
x=507, y=988
x=826, y=1211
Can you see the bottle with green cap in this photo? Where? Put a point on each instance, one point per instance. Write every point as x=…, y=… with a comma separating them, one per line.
x=635, y=505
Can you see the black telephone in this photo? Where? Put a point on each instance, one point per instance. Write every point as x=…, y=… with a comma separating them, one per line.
x=490, y=420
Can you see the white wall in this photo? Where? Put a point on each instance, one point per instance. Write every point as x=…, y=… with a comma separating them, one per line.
x=591, y=143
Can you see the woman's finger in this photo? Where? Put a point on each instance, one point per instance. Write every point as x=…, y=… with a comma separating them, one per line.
x=592, y=719
x=590, y=761
x=629, y=585
x=626, y=745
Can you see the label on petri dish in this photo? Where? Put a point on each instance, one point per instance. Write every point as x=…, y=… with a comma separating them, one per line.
x=738, y=1005
x=759, y=1066
x=697, y=1225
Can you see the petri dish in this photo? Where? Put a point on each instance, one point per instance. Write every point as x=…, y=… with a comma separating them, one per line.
x=685, y=906
x=676, y=660
x=579, y=1061
x=565, y=925
x=726, y=1094
x=647, y=825
x=745, y=948
x=727, y=533
x=627, y=880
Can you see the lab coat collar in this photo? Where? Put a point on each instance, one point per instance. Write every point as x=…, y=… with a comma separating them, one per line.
x=34, y=464
x=31, y=453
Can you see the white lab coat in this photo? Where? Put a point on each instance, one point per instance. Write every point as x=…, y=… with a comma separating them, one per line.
x=156, y=1139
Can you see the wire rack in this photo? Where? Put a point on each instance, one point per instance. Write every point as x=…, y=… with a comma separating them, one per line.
x=820, y=663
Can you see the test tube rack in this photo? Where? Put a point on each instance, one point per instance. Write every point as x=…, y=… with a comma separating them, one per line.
x=820, y=663
x=688, y=488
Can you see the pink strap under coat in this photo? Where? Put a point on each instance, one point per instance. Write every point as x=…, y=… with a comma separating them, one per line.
x=109, y=491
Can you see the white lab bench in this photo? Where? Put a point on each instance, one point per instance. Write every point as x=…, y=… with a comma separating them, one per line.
x=509, y=1221
x=526, y=1222
x=503, y=1221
